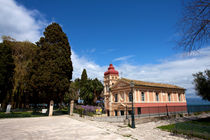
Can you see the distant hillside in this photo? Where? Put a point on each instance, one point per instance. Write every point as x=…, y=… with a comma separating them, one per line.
x=197, y=101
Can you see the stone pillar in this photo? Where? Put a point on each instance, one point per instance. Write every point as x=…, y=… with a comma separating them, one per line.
x=51, y=108
x=71, y=107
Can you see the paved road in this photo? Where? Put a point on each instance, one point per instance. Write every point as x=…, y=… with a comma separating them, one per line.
x=53, y=128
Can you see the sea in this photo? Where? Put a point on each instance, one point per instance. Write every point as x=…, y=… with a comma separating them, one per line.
x=197, y=101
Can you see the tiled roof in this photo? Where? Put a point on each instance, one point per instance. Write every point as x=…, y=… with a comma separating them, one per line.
x=136, y=82
x=111, y=70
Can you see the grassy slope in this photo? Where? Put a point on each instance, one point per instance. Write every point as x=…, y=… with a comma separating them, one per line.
x=197, y=128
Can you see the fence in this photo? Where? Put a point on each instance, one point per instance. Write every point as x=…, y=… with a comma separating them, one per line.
x=161, y=110
x=150, y=111
x=142, y=113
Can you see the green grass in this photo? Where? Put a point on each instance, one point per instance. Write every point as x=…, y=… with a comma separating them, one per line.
x=198, y=128
x=60, y=112
x=20, y=114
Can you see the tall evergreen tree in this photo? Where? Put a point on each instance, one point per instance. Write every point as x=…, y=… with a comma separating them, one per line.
x=51, y=69
x=84, y=77
x=6, y=72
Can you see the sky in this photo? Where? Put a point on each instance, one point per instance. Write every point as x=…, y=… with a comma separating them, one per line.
x=136, y=36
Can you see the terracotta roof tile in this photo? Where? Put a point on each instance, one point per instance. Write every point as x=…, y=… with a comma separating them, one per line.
x=137, y=82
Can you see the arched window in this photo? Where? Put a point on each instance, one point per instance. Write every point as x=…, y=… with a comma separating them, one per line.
x=142, y=96
x=157, y=97
x=116, y=99
x=169, y=97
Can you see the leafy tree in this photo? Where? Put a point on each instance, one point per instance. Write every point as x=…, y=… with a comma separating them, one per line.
x=193, y=28
x=202, y=84
x=22, y=52
x=90, y=89
x=6, y=72
x=51, y=69
x=73, y=93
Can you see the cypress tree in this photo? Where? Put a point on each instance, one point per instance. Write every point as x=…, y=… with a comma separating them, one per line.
x=84, y=77
x=51, y=69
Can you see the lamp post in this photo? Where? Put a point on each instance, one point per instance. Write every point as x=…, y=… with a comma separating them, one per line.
x=132, y=115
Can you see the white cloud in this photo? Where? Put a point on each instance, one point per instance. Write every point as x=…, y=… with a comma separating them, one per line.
x=20, y=23
x=177, y=71
x=23, y=24
x=123, y=58
x=93, y=69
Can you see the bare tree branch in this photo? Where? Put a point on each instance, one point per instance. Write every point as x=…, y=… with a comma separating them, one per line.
x=193, y=28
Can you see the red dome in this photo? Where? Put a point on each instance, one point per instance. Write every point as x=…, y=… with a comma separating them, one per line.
x=111, y=70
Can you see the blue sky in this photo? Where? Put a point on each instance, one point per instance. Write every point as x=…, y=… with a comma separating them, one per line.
x=137, y=36
x=115, y=28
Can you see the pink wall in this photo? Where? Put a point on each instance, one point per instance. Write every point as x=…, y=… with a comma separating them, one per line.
x=151, y=108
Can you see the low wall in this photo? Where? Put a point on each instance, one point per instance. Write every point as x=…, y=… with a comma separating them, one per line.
x=120, y=119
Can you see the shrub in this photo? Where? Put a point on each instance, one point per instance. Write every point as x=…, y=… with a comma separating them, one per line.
x=180, y=115
x=80, y=111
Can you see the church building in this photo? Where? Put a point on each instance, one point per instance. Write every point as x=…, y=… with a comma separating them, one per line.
x=146, y=95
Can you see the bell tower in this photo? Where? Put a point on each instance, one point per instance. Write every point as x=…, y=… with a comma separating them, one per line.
x=111, y=76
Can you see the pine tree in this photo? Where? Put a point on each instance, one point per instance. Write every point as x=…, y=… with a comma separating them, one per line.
x=85, y=89
x=51, y=69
